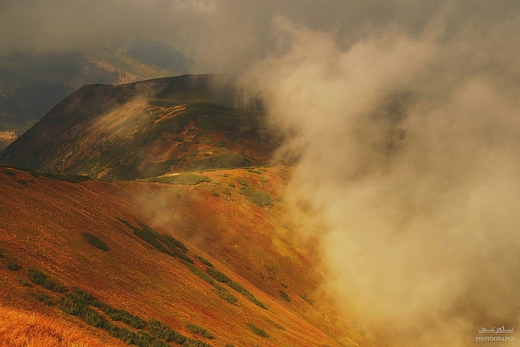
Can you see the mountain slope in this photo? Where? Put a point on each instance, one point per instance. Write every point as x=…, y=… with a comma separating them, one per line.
x=144, y=129
x=30, y=84
x=249, y=252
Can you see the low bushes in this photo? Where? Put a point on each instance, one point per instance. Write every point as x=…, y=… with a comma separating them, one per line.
x=219, y=276
x=195, y=329
x=285, y=296
x=12, y=266
x=96, y=242
x=40, y=279
x=162, y=331
x=257, y=197
x=257, y=330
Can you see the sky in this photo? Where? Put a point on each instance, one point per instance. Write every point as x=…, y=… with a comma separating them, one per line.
x=405, y=120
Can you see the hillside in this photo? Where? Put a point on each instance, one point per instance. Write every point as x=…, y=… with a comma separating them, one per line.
x=31, y=83
x=214, y=261
x=144, y=129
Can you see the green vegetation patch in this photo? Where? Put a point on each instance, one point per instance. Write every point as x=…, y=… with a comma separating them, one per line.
x=38, y=278
x=164, y=332
x=195, y=343
x=257, y=197
x=285, y=296
x=12, y=266
x=195, y=329
x=96, y=242
x=162, y=242
x=203, y=260
x=257, y=330
x=185, y=179
x=219, y=276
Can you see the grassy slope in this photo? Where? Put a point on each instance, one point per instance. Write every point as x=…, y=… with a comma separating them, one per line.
x=142, y=130
x=41, y=226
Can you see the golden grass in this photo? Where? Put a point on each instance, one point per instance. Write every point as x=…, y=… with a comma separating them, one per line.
x=21, y=328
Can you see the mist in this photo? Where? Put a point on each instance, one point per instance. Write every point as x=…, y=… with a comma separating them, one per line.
x=404, y=117
x=408, y=144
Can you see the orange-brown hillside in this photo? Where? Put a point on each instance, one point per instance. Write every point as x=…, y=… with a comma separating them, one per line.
x=244, y=277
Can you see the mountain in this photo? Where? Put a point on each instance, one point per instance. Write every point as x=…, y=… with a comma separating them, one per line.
x=149, y=214
x=31, y=83
x=145, y=129
x=98, y=263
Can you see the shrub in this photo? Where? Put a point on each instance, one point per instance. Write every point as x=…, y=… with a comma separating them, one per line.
x=219, y=276
x=215, y=193
x=195, y=329
x=198, y=272
x=195, y=343
x=96, y=242
x=43, y=298
x=24, y=282
x=9, y=173
x=203, y=261
x=226, y=192
x=12, y=266
x=232, y=185
x=21, y=181
x=171, y=241
x=257, y=330
x=225, y=295
x=243, y=182
x=273, y=323
x=122, y=316
x=258, y=197
x=285, y=296
x=40, y=279
x=162, y=331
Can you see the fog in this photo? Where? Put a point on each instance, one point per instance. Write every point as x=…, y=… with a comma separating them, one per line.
x=404, y=118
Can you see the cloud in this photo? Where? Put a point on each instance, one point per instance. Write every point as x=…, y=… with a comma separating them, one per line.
x=408, y=144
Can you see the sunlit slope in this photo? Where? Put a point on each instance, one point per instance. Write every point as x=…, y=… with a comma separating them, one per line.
x=144, y=129
x=219, y=255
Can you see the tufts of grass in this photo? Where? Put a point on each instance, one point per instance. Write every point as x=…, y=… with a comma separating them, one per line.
x=232, y=185
x=203, y=260
x=199, y=273
x=215, y=193
x=43, y=298
x=195, y=329
x=164, y=332
x=257, y=197
x=273, y=323
x=243, y=182
x=96, y=242
x=225, y=295
x=38, y=278
x=285, y=296
x=195, y=343
x=219, y=276
x=257, y=330
x=226, y=192
x=24, y=283
x=12, y=266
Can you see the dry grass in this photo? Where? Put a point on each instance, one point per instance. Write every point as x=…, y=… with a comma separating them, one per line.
x=20, y=328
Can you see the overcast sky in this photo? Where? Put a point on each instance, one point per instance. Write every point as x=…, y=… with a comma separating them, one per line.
x=226, y=35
